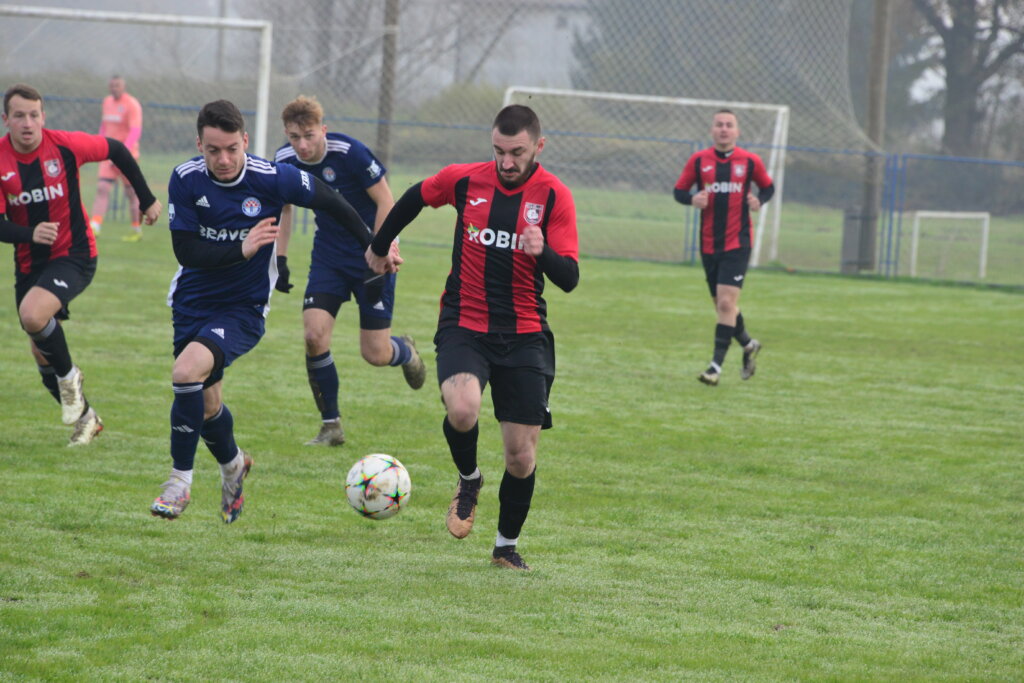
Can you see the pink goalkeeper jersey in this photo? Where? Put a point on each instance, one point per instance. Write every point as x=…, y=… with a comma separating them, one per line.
x=119, y=117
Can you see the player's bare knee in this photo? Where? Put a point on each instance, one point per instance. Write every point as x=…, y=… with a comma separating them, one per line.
x=520, y=463
x=315, y=346
x=33, y=321
x=376, y=355
x=726, y=306
x=187, y=373
x=462, y=415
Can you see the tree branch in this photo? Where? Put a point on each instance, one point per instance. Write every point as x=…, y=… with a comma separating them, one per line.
x=1006, y=54
x=933, y=18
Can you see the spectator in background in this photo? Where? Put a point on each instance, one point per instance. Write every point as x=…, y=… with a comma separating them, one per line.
x=122, y=121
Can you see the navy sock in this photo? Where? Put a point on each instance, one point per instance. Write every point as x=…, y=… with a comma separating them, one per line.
x=400, y=352
x=186, y=423
x=462, y=446
x=323, y=380
x=740, y=335
x=514, y=498
x=723, y=337
x=219, y=435
x=51, y=343
x=49, y=376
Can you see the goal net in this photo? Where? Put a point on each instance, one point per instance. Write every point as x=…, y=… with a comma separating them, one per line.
x=949, y=245
x=616, y=150
x=171, y=63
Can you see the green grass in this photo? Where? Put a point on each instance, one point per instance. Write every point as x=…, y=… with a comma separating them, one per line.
x=852, y=512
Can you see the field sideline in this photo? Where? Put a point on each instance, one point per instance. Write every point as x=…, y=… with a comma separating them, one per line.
x=852, y=512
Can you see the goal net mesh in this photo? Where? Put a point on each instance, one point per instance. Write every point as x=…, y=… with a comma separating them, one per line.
x=172, y=70
x=944, y=245
x=454, y=61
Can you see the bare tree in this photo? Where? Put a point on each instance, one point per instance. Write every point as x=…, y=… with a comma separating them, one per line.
x=979, y=38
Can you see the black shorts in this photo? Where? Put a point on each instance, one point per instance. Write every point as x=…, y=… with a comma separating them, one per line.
x=726, y=268
x=63, y=277
x=520, y=368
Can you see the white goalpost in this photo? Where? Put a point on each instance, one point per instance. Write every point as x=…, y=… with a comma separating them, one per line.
x=263, y=28
x=637, y=139
x=983, y=216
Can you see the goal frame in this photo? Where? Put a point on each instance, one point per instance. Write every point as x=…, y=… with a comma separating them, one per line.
x=265, y=29
x=776, y=163
x=915, y=235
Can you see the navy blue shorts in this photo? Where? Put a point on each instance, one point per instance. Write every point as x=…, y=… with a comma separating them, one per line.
x=229, y=334
x=331, y=286
x=727, y=268
x=519, y=367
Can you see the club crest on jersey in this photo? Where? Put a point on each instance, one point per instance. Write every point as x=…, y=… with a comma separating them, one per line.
x=52, y=167
x=251, y=207
x=739, y=170
x=329, y=174
x=533, y=213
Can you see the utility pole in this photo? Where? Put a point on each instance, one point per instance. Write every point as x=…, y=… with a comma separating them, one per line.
x=878, y=77
x=387, y=81
x=218, y=76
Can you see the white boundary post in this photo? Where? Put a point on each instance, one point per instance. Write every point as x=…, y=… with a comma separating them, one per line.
x=983, y=216
x=776, y=159
x=264, y=27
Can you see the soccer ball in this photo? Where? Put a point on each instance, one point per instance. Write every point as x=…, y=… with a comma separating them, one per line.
x=378, y=486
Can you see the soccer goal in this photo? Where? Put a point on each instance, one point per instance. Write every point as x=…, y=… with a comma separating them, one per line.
x=622, y=153
x=172, y=64
x=946, y=232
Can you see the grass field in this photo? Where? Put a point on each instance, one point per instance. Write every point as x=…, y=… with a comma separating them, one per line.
x=852, y=512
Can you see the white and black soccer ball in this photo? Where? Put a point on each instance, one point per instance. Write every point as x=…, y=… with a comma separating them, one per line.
x=378, y=486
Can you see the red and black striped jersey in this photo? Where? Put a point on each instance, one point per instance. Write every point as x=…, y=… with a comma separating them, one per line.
x=43, y=185
x=494, y=286
x=725, y=223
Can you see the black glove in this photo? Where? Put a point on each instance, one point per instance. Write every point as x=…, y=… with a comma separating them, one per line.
x=282, y=275
x=373, y=286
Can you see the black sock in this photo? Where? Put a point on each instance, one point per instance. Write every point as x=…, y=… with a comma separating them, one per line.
x=741, y=336
x=51, y=343
x=723, y=337
x=463, y=446
x=323, y=380
x=49, y=376
x=514, y=498
x=219, y=436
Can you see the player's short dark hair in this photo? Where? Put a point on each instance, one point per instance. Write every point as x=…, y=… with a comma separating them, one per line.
x=516, y=118
x=726, y=111
x=24, y=91
x=220, y=114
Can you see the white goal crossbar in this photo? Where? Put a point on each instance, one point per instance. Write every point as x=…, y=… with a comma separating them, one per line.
x=983, y=216
x=265, y=29
x=776, y=162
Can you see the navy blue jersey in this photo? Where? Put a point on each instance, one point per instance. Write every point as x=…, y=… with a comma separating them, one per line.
x=350, y=168
x=224, y=212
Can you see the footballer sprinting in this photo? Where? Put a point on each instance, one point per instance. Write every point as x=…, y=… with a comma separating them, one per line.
x=223, y=209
